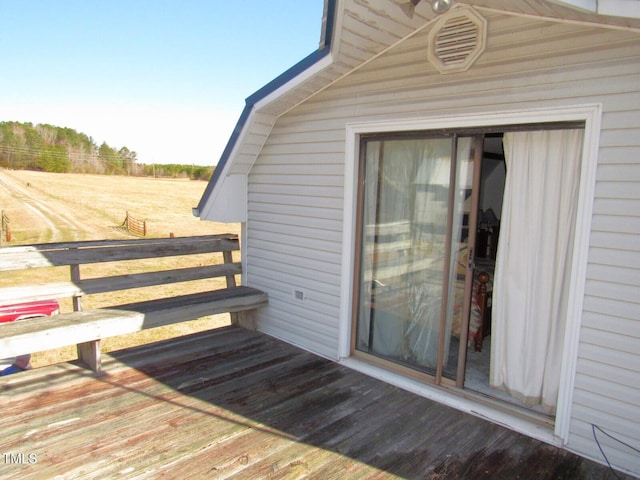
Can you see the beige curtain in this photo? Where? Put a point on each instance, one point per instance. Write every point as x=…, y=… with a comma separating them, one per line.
x=533, y=263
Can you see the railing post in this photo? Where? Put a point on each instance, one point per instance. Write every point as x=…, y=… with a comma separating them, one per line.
x=228, y=259
x=88, y=352
x=75, y=278
x=227, y=256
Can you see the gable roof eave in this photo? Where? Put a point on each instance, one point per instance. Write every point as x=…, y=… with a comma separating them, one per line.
x=286, y=82
x=276, y=87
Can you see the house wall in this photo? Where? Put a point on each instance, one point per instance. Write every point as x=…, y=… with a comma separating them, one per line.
x=296, y=188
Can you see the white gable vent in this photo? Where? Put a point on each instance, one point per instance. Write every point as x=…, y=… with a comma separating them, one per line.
x=457, y=40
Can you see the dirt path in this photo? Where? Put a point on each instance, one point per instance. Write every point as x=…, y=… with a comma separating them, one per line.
x=56, y=221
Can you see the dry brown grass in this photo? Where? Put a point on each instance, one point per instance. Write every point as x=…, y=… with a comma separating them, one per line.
x=90, y=207
x=100, y=202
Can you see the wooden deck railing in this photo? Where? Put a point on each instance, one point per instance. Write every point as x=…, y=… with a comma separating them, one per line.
x=86, y=328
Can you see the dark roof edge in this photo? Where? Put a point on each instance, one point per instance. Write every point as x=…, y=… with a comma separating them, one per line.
x=272, y=86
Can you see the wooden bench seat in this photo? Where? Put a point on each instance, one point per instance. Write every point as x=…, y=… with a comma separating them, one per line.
x=87, y=328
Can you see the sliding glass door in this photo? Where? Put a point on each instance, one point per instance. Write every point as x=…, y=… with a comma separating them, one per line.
x=414, y=271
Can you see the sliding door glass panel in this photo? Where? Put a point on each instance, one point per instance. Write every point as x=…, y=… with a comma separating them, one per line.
x=403, y=246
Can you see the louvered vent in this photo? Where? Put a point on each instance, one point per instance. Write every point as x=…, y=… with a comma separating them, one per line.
x=457, y=40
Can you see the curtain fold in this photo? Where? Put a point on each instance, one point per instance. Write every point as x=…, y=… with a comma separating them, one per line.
x=533, y=263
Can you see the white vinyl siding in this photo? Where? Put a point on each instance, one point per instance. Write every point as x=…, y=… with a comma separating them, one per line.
x=294, y=242
x=296, y=188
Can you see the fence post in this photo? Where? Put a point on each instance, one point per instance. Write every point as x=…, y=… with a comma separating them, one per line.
x=6, y=228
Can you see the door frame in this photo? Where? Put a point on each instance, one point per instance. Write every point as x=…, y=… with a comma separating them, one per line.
x=591, y=115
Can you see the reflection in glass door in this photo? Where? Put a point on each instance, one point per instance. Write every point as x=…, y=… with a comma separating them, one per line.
x=414, y=268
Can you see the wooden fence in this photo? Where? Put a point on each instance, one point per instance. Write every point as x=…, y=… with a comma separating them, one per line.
x=6, y=229
x=135, y=226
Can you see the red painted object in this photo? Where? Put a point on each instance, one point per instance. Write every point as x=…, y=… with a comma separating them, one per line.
x=22, y=311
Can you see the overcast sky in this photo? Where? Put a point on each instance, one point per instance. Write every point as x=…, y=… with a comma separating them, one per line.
x=166, y=79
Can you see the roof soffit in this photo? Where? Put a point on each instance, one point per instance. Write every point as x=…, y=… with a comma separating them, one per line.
x=363, y=29
x=366, y=28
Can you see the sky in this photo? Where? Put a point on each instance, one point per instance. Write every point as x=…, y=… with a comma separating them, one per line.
x=164, y=78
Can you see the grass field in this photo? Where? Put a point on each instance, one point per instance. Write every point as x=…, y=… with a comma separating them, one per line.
x=46, y=207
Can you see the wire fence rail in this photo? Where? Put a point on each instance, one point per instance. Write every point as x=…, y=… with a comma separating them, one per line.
x=135, y=226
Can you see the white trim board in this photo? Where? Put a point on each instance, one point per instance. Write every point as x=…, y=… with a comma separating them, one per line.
x=591, y=114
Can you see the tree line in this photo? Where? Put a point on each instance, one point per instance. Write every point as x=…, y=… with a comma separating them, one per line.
x=47, y=148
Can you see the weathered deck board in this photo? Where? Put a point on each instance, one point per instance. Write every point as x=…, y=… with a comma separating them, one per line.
x=235, y=404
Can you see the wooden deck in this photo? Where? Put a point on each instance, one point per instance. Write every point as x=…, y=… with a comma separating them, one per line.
x=233, y=403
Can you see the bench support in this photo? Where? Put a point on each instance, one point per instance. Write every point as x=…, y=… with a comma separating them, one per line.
x=245, y=319
x=89, y=354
